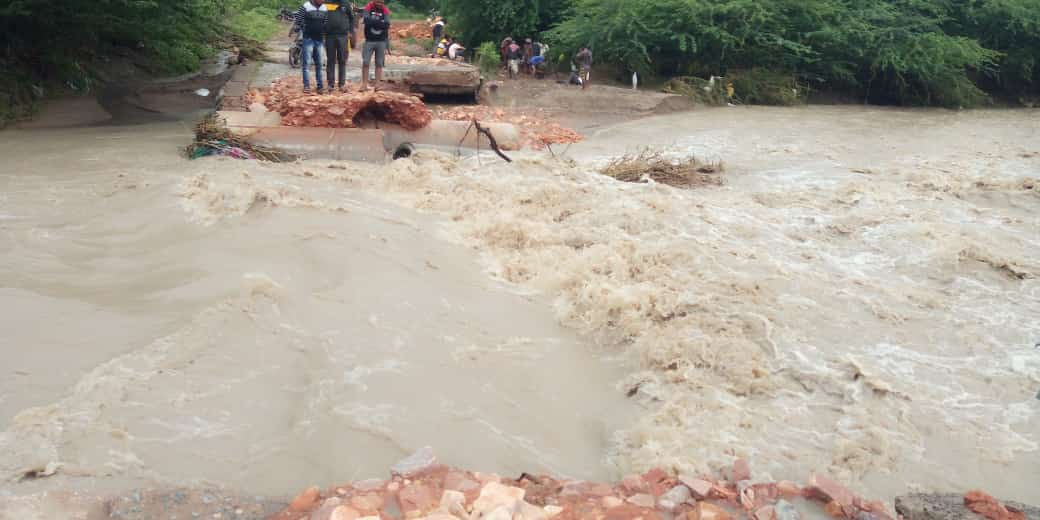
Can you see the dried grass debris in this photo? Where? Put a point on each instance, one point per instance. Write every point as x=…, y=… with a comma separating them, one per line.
x=655, y=165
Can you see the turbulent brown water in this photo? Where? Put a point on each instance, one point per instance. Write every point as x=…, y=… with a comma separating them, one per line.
x=862, y=298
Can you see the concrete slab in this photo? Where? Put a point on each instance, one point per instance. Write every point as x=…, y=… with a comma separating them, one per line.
x=452, y=134
x=244, y=123
x=233, y=95
x=345, y=144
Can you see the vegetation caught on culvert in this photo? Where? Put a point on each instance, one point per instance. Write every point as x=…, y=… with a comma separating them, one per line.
x=212, y=137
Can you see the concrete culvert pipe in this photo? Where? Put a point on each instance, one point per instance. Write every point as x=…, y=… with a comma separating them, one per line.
x=404, y=151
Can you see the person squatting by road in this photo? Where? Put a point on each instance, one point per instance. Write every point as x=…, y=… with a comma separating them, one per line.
x=456, y=51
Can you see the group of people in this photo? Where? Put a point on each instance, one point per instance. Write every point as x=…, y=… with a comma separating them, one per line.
x=450, y=48
x=328, y=30
x=530, y=57
x=445, y=46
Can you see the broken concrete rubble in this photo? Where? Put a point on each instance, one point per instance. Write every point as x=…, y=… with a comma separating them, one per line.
x=952, y=506
x=416, y=497
x=671, y=500
x=824, y=488
x=707, y=511
x=415, y=464
x=307, y=500
x=788, y=489
x=984, y=504
x=701, y=488
x=764, y=513
x=422, y=488
x=642, y=500
x=350, y=109
x=740, y=470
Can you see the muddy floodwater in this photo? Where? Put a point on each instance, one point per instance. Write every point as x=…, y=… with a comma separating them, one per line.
x=862, y=297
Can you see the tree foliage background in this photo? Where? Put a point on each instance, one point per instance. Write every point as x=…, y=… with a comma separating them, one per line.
x=57, y=45
x=942, y=52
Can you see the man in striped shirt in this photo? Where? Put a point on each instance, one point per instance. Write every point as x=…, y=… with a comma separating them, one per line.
x=310, y=19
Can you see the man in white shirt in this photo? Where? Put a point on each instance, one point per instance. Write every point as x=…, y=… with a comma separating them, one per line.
x=456, y=50
x=311, y=19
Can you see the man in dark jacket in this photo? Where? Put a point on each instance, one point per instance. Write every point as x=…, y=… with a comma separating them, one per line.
x=337, y=31
x=438, y=33
x=377, y=40
x=310, y=19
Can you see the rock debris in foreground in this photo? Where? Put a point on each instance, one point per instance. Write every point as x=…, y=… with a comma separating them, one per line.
x=975, y=505
x=420, y=488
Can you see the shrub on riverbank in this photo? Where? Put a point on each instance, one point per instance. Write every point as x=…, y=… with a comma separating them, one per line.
x=489, y=58
x=766, y=87
x=258, y=23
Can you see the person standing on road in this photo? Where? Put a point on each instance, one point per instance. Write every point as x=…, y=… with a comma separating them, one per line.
x=377, y=40
x=543, y=49
x=513, y=55
x=337, y=33
x=504, y=47
x=528, y=54
x=310, y=19
x=438, y=32
x=584, y=60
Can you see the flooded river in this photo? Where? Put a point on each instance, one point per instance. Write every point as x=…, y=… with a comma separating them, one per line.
x=862, y=297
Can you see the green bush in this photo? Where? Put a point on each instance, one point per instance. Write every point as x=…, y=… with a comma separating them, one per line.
x=489, y=58
x=703, y=91
x=403, y=11
x=765, y=87
x=258, y=23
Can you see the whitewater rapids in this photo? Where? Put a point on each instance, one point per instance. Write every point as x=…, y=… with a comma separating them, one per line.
x=862, y=297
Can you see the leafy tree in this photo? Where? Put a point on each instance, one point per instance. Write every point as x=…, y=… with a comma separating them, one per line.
x=493, y=20
x=1011, y=27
